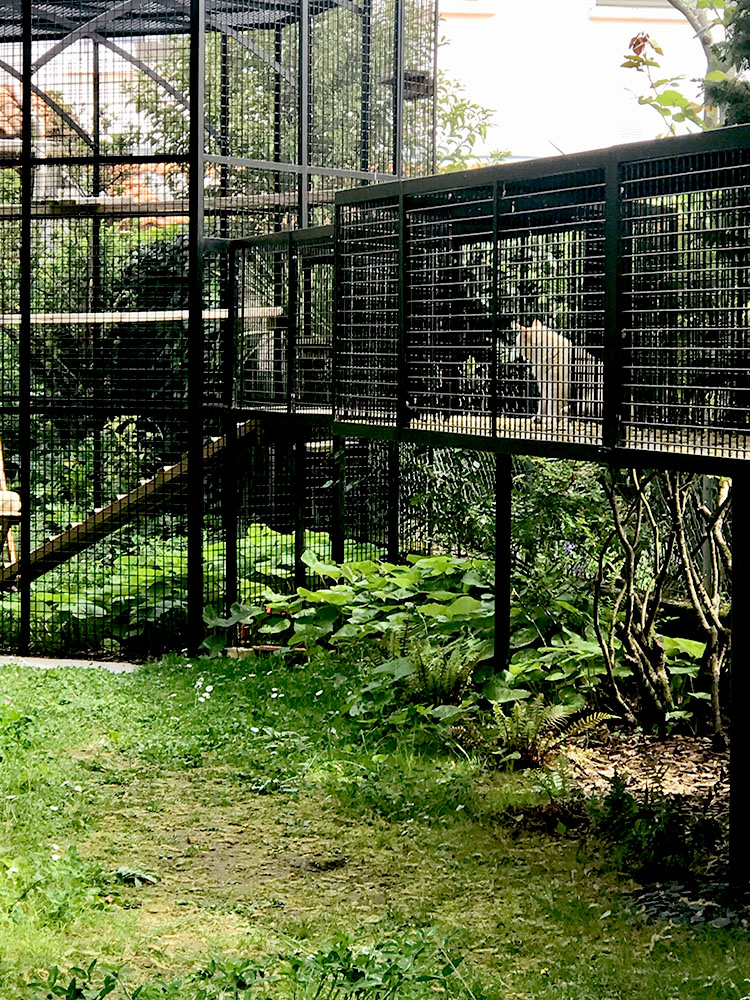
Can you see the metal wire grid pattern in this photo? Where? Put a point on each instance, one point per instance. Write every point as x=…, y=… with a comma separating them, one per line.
x=300, y=100
x=449, y=349
x=146, y=17
x=551, y=308
x=122, y=589
x=686, y=356
x=649, y=243
x=313, y=342
x=367, y=493
x=366, y=367
x=418, y=109
x=262, y=332
x=501, y=331
x=282, y=343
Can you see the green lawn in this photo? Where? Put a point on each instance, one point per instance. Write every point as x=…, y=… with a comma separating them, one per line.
x=268, y=845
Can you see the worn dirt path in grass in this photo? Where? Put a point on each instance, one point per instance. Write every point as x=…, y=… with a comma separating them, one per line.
x=231, y=864
x=239, y=870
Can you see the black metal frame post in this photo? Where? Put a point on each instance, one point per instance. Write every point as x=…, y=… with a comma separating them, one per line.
x=495, y=308
x=365, y=84
x=336, y=316
x=230, y=477
x=300, y=504
x=24, y=338
x=224, y=126
x=613, y=307
x=739, y=697
x=195, y=599
x=292, y=324
x=278, y=52
x=96, y=283
x=503, y=561
x=402, y=370
x=398, y=87
x=339, y=499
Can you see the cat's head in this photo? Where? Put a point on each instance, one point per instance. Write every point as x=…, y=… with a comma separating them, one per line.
x=528, y=336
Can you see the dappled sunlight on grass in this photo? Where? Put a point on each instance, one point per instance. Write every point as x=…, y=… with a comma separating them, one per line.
x=155, y=829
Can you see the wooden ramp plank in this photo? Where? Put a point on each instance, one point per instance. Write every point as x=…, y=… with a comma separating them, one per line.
x=149, y=497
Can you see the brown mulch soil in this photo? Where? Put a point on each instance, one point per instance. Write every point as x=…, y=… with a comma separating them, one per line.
x=681, y=765
x=692, y=769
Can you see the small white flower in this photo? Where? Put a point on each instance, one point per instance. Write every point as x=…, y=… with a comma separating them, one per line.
x=201, y=698
x=77, y=788
x=249, y=675
x=54, y=808
x=54, y=847
x=274, y=694
x=209, y=688
x=319, y=693
x=254, y=729
x=56, y=857
x=13, y=871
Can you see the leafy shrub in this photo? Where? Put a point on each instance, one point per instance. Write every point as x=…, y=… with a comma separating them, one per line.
x=447, y=595
x=656, y=836
x=413, y=964
x=529, y=734
x=437, y=673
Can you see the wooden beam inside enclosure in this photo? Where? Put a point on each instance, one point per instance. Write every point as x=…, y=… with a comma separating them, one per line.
x=150, y=496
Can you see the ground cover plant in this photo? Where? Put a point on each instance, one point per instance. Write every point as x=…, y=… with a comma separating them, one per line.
x=230, y=828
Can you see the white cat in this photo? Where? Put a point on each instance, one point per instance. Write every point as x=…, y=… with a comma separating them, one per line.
x=550, y=357
x=555, y=363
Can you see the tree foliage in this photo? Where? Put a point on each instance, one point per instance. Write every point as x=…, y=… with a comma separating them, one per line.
x=728, y=89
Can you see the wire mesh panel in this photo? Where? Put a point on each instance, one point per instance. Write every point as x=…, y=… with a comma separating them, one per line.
x=551, y=307
x=686, y=277
x=366, y=371
x=313, y=343
x=107, y=565
x=449, y=353
x=262, y=325
x=366, y=494
x=419, y=88
x=447, y=501
x=266, y=519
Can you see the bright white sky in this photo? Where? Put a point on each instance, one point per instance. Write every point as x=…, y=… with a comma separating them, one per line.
x=551, y=69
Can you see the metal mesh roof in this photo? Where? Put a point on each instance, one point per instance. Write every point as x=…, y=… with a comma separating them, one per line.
x=147, y=17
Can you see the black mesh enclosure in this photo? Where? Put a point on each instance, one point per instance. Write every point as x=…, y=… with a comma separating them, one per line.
x=686, y=355
x=592, y=306
x=366, y=368
x=449, y=342
x=144, y=336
